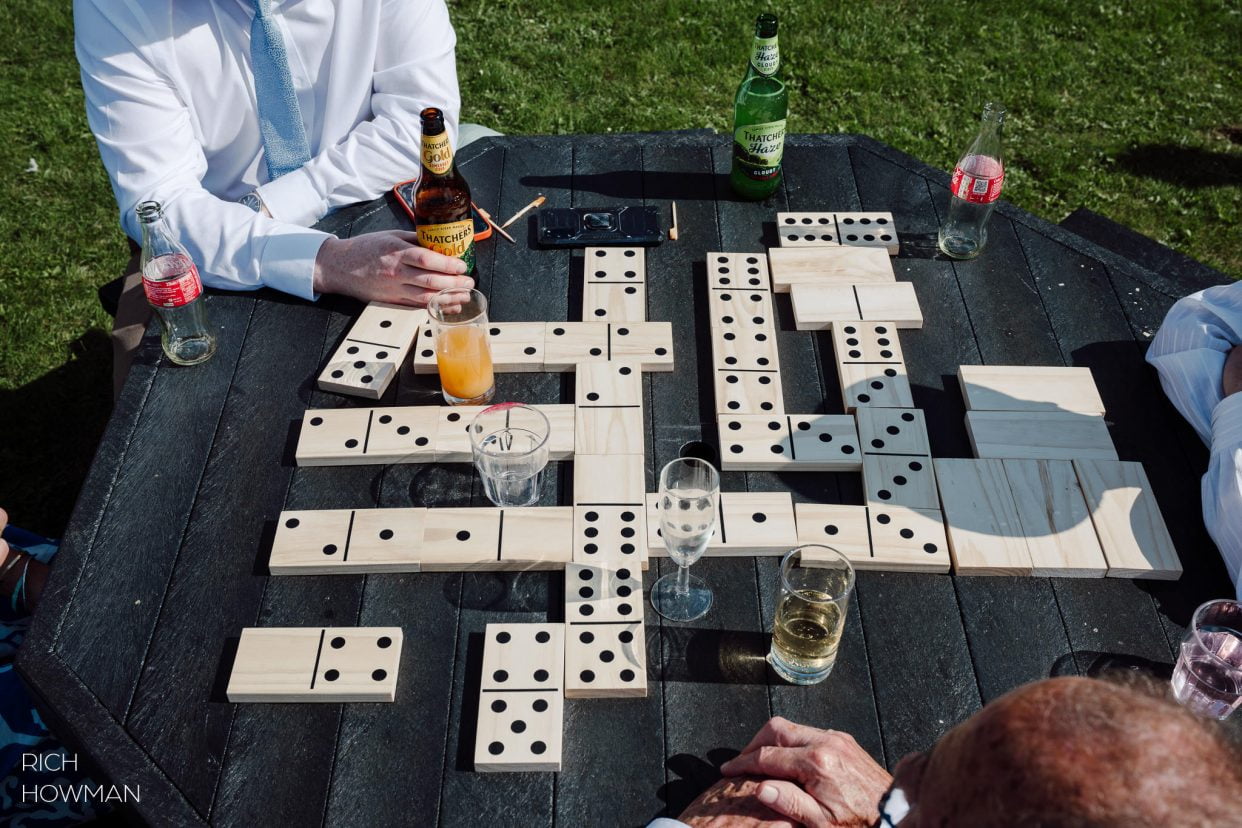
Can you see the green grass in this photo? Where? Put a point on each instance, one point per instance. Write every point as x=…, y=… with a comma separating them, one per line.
x=1124, y=108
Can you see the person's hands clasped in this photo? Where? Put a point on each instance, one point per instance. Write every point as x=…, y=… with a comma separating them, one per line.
x=814, y=777
x=1231, y=381
x=388, y=266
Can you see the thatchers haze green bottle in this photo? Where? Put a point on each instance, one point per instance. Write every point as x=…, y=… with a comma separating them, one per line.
x=759, y=113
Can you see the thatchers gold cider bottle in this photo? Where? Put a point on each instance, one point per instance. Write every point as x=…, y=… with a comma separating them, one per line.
x=442, y=199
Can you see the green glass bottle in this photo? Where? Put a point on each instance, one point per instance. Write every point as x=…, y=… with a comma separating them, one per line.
x=759, y=114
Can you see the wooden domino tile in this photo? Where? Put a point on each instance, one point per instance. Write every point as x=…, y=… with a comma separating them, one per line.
x=457, y=540
x=908, y=540
x=738, y=271
x=895, y=302
x=614, y=303
x=649, y=344
x=754, y=442
x=817, y=307
x=402, y=434
x=741, y=309
x=985, y=534
x=893, y=431
x=843, y=528
x=568, y=343
x=868, y=230
x=1127, y=520
x=603, y=593
x=900, y=480
x=750, y=523
x=866, y=342
x=828, y=265
x=605, y=661
x=452, y=441
x=372, y=352
x=873, y=385
x=1039, y=435
x=608, y=384
x=610, y=535
x=333, y=436
x=517, y=347
x=521, y=712
x=1029, y=388
x=316, y=664
x=331, y=541
x=608, y=430
x=748, y=392
x=825, y=442
x=620, y=265
x=1053, y=515
x=807, y=229
x=745, y=349
x=536, y=537
x=609, y=479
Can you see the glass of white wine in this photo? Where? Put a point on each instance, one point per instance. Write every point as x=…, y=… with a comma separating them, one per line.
x=816, y=582
x=689, y=494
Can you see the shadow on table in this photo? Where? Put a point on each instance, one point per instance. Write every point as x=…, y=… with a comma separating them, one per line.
x=1184, y=166
x=635, y=184
x=695, y=775
x=714, y=656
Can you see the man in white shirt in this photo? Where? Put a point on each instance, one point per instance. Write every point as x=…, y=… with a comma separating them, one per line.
x=1198, y=356
x=172, y=98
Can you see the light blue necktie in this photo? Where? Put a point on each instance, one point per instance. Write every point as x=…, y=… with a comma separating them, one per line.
x=280, y=117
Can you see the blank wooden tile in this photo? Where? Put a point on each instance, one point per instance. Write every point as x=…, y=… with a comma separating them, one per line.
x=624, y=265
x=828, y=265
x=738, y=270
x=613, y=535
x=316, y=664
x=360, y=370
x=874, y=385
x=403, y=434
x=741, y=309
x=817, y=307
x=1029, y=388
x=456, y=540
x=745, y=349
x=452, y=443
x=892, y=431
x=894, y=302
x=650, y=344
x=1039, y=435
x=868, y=230
x=609, y=430
x=807, y=229
x=566, y=344
x=749, y=392
x=333, y=436
x=844, y=528
x=537, y=537
x=608, y=383
x=908, y=540
x=754, y=442
x=900, y=480
x=609, y=479
x=866, y=342
x=608, y=302
x=523, y=657
x=519, y=732
x=825, y=442
x=985, y=534
x=1054, y=518
x=603, y=592
x=1127, y=520
x=759, y=521
x=605, y=661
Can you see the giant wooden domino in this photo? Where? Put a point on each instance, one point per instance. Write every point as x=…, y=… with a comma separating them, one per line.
x=316, y=664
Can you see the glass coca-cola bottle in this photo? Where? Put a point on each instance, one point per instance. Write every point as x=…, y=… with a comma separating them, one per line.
x=975, y=187
x=174, y=290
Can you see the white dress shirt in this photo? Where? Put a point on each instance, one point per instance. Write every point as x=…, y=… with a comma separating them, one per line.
x=1189, y=352
x=170, y=98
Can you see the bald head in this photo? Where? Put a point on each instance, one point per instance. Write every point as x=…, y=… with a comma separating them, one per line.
x=1075, y=751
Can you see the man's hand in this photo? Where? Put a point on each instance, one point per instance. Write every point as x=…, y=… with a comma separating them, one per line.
x=840, y=784
x=1231, y=381
x=732, y=803
x=386, y=267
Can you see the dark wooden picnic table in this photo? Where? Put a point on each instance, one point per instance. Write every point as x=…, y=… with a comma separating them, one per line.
x=164, y=560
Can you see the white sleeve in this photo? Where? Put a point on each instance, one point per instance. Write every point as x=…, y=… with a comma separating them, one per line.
x=1190, y=348
x=1222, y=486
x=149, y=149
x=415, y=67
x=666, y=822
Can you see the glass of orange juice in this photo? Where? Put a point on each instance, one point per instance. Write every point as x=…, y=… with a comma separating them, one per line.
x=463, y=354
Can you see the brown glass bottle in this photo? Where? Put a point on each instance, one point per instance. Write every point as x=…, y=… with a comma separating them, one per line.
x=442, y=199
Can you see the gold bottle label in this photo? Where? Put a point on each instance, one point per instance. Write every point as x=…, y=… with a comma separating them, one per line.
x=454, y=238
x=437, y=154
x=765, y=57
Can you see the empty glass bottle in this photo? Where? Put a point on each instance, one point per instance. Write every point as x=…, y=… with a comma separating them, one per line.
x=173, y=287
x=975, y=187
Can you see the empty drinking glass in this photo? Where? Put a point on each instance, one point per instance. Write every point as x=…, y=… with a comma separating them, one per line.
x=816, y=582
x=689, y=492
x=1208, y=675
x=510, y=446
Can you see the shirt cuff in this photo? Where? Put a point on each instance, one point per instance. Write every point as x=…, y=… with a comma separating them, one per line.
x=287, y=262
x=293, y=199
x=666, y=822
x=1227, y=423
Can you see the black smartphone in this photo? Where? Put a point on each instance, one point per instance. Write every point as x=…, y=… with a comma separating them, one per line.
x=582, y=226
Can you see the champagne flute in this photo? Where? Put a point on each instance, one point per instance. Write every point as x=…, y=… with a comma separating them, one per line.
x=689, y=493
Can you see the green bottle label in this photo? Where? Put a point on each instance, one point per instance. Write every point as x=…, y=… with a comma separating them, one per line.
x=765, y=57
x=758, y=148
